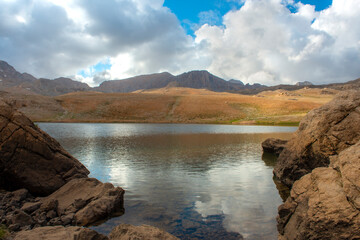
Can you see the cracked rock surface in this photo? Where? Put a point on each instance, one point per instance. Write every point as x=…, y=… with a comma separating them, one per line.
x=325, y=204
x=324, y=132
x=30, y=158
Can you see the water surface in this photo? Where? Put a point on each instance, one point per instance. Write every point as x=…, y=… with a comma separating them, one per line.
x=194, y=181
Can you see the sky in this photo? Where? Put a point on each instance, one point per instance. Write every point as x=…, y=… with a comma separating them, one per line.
x=256, y=41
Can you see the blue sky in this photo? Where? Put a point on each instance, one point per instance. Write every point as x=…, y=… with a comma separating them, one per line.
x=256, y=41
x=192, y=13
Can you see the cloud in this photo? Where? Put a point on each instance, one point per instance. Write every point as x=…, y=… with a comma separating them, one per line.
x=265, y=42
x=262, y=41
x=60, y=38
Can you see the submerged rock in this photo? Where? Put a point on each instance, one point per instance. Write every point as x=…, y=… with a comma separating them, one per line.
x=324, y=132
x=274, y=145
x=325, y=204
x=30, y=158
x=60, y=232
x=143, y=232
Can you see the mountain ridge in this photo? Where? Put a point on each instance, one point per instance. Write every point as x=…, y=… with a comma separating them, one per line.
x=11, y=79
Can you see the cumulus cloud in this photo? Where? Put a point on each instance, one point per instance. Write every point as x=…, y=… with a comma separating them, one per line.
x=262, y=41
x=265, y=42
x=60, y=38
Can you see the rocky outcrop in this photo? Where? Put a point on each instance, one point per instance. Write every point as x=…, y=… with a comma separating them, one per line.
x=325, y=204
x=81, y=201
x=143, y=232
x=30, y=158
x=324, y=132
x=274, y=145
x=85, y=201
x=36, y=163
x=60, y=232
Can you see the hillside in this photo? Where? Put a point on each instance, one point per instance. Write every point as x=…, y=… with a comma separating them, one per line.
x=173, y=105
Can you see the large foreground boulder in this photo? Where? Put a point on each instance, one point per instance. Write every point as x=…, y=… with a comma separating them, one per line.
x=324, y=132
x=30, y=158
x=60, y=233
x=325, y=204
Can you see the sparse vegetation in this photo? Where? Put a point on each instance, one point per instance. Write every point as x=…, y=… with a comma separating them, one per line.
x=178, y=105
x=3, y=232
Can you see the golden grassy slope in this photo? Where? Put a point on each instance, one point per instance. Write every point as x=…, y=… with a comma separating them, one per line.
x=191, y=106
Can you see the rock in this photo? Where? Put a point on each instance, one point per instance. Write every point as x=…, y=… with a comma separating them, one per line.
x=325, y=204
x=19, y=195
x=143, y=232
x=49, y=204
x=30, y=207
x=273, y=145
x=60, y=232
x=30, y=158
x=22, y=218
x=90, y=200
x=324, y=132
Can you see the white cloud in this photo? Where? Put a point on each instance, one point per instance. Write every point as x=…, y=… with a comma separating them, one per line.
x=260, y=42
x=264, y=42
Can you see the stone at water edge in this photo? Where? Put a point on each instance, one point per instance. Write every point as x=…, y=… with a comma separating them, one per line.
x=60, y=233
x=325, y=204
x=274, y=145
x=86, y=201
x=324, y=132
x=30, y=158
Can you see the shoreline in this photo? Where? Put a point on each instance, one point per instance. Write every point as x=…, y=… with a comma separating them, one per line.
x=244, y=123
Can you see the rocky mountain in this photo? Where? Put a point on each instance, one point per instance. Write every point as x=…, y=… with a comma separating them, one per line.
x=205, y=80
x=157, y=80
x=9, y=77
x=306, y=83
x=11, y=80
x=55, y=87
x=236, y=82
x=192, y=79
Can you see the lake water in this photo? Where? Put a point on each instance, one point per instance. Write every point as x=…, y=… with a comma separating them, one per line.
x=194, y=181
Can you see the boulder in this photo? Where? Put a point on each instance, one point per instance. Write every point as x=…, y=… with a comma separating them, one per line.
x=325, y=204
x=60, y=232
x=324, y=132
x=30, y=158
x=85, y=200
x=273, y=145
x=143, y=232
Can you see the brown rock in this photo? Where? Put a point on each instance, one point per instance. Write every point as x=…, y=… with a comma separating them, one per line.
x=324, y=132
x=22, y=218
x=60, y=232
x=273, y=145
x=325, y=204
x=143, y=232
x=90, y=200
x=30, y=207
x=30, y=158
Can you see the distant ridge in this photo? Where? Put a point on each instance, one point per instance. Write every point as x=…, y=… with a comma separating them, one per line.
x=10, y=79
x=157, y=80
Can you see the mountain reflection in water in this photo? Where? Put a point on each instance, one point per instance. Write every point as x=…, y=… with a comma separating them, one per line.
x=194, y=181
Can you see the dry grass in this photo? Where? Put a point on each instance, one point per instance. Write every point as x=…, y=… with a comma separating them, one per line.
x=191, y=106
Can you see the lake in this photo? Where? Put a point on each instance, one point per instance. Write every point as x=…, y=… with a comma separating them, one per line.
x=194, y=181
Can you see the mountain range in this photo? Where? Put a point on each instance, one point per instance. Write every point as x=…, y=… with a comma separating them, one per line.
x=12, y=80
